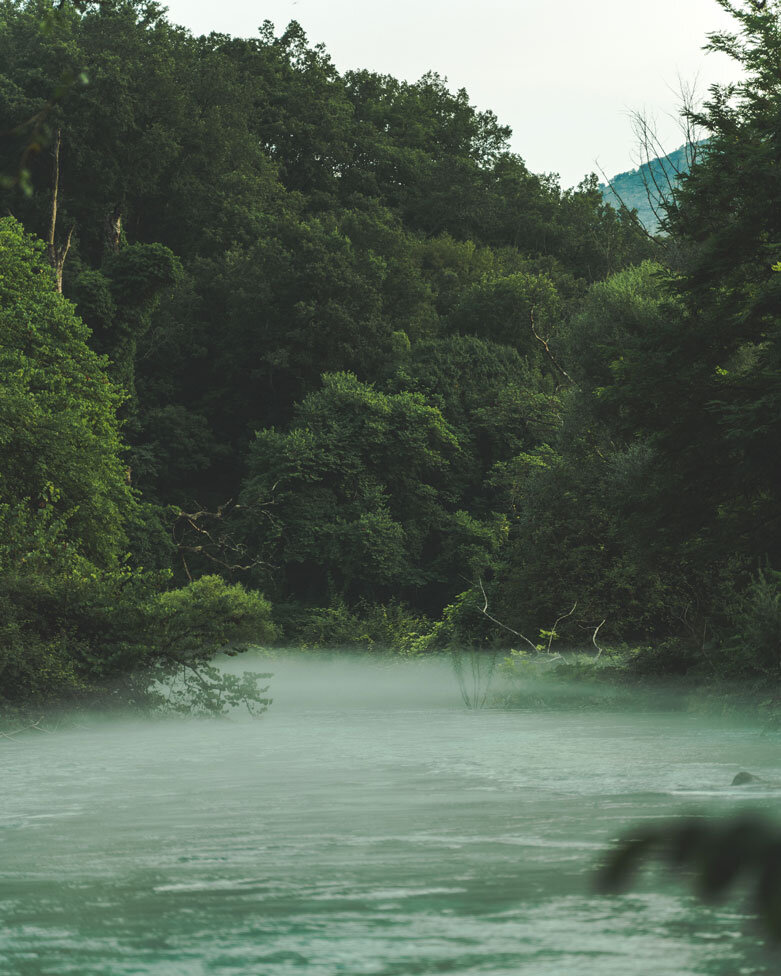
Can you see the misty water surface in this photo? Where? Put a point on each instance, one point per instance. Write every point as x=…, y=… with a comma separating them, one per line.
x=368, y=824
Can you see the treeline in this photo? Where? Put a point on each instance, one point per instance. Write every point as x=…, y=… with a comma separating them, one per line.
x=325, y=337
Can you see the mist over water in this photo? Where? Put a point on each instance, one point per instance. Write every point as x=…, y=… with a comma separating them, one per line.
x=367, y=824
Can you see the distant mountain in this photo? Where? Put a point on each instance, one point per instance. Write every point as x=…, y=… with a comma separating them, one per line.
x=642, y=189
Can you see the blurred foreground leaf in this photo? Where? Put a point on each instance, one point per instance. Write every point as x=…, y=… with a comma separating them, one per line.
x=716, y=855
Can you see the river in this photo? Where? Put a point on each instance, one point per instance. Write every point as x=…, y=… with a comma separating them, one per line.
x=367, y=824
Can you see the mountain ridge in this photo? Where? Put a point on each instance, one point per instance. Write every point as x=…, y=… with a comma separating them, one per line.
x=643, y=189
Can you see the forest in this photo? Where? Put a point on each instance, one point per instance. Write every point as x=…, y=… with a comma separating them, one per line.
x=312, y=357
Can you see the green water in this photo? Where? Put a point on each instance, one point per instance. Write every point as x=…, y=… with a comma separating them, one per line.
x=368, y=824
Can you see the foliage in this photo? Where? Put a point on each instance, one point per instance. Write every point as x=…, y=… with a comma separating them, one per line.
x=364, y=500
x=75, y=632
x=59, y=437
x=314, y=215
x=370, y=625
x=192, y=624
x=505, y=310
x=705, y=389
x=330, y=324
x=74, y=614
x=461, y=625
x=718, y=854
x=754, y=641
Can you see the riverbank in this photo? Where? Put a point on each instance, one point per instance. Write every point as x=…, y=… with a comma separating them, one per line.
x=485, y=678
x=619, y=678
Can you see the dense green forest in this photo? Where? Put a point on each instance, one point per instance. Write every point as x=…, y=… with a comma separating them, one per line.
x=294, y=354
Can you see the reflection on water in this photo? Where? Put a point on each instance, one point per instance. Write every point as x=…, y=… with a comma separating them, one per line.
x=368, y=824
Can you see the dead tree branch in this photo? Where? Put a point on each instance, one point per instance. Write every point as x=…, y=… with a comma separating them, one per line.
x=499, y=623
x=207, y=534
x=112, y=231
x=556, y=364
x=594, y=640
x=32, y=727
x=552, y=631
x=652, y=152
x=632, y=214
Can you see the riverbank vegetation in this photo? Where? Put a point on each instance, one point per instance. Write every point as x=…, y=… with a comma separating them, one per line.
x=299, y=354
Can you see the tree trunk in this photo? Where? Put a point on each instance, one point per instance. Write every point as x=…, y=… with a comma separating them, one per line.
x=113, y=231
x=57, y=253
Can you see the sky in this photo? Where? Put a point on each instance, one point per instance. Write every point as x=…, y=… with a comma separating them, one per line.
x=566, y=75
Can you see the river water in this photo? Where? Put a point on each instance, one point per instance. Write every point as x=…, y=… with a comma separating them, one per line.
x=367, y=824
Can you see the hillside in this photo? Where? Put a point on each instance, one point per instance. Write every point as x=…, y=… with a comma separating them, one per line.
x=643, y=189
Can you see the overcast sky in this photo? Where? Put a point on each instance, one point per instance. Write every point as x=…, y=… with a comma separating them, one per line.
x=565, y=74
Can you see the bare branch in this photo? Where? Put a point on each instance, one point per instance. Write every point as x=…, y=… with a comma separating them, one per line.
x=206, y=534
x=112, y=230
x=548, y=352
x=632, y=214
x=654, y=158
x=32, y=727
x=499, y=622
x=594, y=640
x=552, y=631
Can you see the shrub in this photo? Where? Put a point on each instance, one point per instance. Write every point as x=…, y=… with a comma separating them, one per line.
x=382, y=625
x=755, y=644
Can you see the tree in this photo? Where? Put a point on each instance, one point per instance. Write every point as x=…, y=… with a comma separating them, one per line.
x=703, y=384
x=74, y=614
x=364, y=503
x=509, y=311
x=496, y=404
x=60, y=446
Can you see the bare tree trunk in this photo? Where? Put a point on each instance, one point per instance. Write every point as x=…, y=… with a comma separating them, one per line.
x=57, y=253
x=594, y=640
x=557, y=365
x=113, y=231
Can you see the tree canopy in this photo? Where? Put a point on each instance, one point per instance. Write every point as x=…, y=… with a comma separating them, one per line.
x=326, y=334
